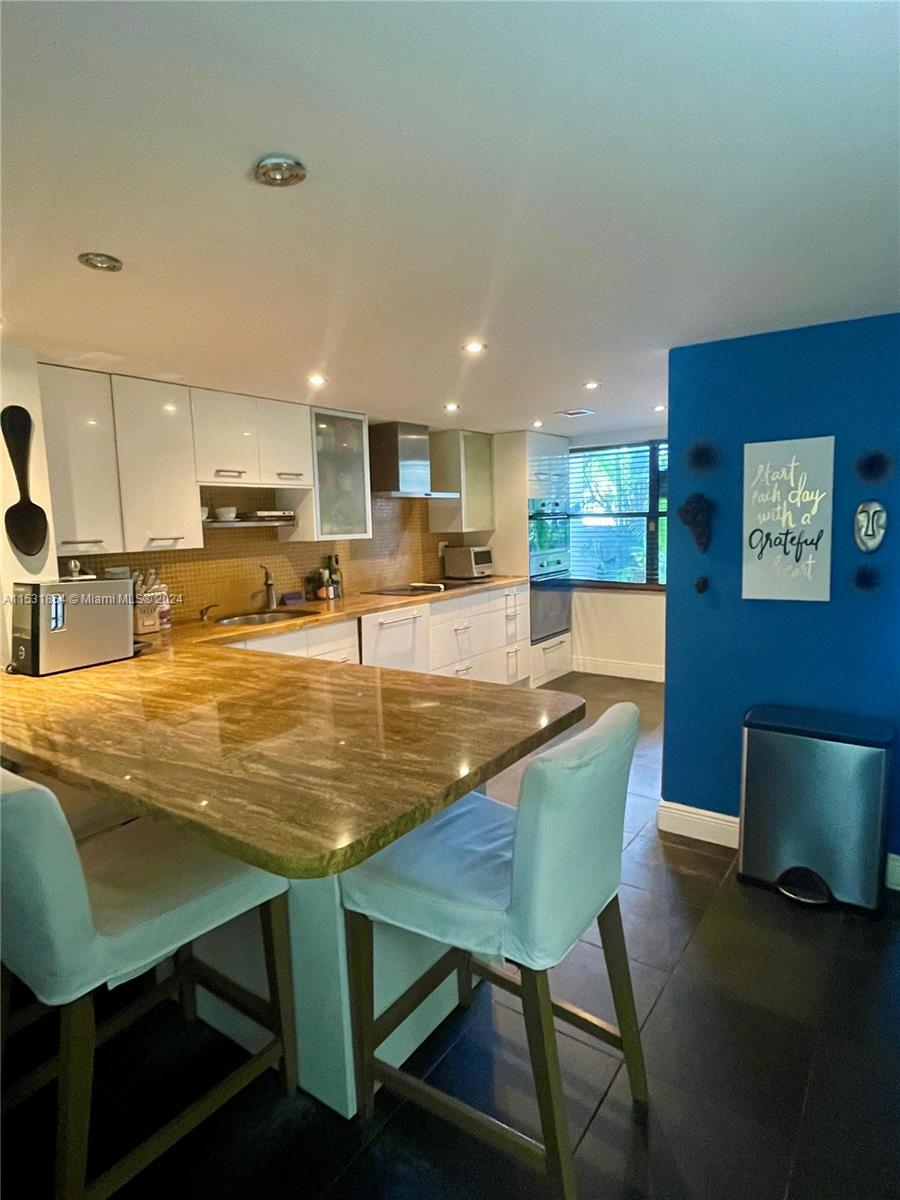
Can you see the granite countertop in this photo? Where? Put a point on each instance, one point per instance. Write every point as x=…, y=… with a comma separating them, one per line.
x=303, y=767
x=328, y=612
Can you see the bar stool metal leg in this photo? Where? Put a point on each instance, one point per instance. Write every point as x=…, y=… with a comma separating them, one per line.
x=362, y=1006
x=277, y=946
x=541, y=1032
x=77, y=1040
x=612, y=935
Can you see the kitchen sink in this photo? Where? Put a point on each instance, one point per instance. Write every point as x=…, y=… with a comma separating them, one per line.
x=266, y=618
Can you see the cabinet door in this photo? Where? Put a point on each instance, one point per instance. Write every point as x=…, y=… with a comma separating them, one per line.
x=478, y=481
x=510, y=625
x=285, y=443
x=518, y=661
x=226, y=446
x=343, y=499
x=155, y=445
x=294, y=641
x=396, y=639
x=81, y=458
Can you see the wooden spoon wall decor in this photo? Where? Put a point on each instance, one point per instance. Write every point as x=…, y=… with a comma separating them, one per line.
x=26, y=522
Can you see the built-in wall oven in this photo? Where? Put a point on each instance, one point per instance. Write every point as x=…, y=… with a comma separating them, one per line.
x=548, y=557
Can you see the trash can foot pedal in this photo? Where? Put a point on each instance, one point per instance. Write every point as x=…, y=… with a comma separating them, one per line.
x=804, y=886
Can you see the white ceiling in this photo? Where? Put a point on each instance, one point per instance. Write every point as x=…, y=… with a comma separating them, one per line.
x=584, y=185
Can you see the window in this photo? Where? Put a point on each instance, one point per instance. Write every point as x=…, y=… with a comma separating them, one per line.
x=618, y=509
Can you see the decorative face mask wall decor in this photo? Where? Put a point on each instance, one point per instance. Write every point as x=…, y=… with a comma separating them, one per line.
x=870, y=525
x=697, y=512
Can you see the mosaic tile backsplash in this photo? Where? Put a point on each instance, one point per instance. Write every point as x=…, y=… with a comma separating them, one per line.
x=227, y=572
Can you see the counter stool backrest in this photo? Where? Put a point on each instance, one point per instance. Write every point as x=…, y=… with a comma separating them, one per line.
x=567, y=858
x=47, y=926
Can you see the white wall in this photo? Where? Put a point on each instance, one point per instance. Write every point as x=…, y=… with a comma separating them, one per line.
x=19, y=379
x=618, y=632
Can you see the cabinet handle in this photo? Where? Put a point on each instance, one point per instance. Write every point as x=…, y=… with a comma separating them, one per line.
x=510, y=653
x=463, y=670
x=289, y=474
x=462, y=628
x=81, y=541
x=173, y=537
x=400, y=620
x=231, y=474
x=554, y=645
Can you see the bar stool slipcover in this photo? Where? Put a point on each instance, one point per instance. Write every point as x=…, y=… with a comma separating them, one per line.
x=521, y=884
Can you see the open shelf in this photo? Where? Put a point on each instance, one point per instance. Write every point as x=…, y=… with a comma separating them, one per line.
x=245, y=524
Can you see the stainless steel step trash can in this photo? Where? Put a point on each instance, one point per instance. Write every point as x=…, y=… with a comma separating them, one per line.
x=813, y=804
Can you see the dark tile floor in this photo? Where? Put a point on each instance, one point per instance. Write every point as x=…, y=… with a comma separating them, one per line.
x=771, y=1034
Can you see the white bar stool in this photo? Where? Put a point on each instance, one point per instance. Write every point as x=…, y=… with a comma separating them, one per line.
x=77, y=917
x=521, y=884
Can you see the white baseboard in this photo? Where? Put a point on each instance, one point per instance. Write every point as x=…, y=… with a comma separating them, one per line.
x=655, y=672
x=724, y=830
x=698, y=823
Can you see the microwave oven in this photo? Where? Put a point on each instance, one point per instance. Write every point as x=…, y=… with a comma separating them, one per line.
x=468, y=562
x=66, y=625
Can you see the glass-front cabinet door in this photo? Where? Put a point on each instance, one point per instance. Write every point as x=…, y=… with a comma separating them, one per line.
x=343, y=498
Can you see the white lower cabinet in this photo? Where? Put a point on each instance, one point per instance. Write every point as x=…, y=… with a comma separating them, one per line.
x=398, y=639
x=338, y=642
x=550, y=659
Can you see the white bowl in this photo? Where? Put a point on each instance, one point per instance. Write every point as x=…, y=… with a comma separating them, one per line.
x=226, y=514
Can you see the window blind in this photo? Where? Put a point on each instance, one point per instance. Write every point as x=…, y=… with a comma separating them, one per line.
x=617, y=502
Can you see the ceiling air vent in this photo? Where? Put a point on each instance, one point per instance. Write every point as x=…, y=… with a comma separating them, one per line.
x=575, y=412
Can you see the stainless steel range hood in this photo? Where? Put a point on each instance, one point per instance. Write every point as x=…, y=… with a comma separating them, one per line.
x=400, y=462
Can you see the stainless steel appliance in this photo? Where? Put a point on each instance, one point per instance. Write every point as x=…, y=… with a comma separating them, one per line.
x=400, y=461
x=548, y=544
x=468, y=562
x=69, y=624
x=551, y=606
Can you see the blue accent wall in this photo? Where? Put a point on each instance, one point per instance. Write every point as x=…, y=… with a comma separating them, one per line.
x=724, y=654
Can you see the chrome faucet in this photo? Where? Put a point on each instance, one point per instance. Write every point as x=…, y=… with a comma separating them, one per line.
x=206, y=610
x=269, y=585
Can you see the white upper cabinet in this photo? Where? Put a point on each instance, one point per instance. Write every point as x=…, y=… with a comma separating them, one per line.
x=462, y=461
x=226, y=444
x=155, y=444
x=81, y=458
x=548, y=473
x=285, y=443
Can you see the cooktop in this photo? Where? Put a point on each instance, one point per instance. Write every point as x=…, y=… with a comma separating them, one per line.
x=423, y=589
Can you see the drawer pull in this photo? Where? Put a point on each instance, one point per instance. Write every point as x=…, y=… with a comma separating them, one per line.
x=463, y=670
x=510, y=653
x=461, y=628
x=81, y=542
x=228, y=473
x=554, y=645
x=172, y=537
x=399, y=620
x=289, y=474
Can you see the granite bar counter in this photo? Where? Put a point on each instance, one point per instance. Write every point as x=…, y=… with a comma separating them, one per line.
x=301, y=766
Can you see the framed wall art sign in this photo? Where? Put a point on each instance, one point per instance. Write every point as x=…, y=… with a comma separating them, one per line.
x=787, y=519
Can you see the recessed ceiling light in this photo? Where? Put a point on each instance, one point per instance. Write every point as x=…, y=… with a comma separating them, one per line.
x=451, y=407
x=659, y=408
x=279, y=170
x=475, y=346
x=98, y=261
x=591, y=385
x=537, y=424
x=316, y=380
x=575, y=412
x=90, y=422
x=170, y=408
